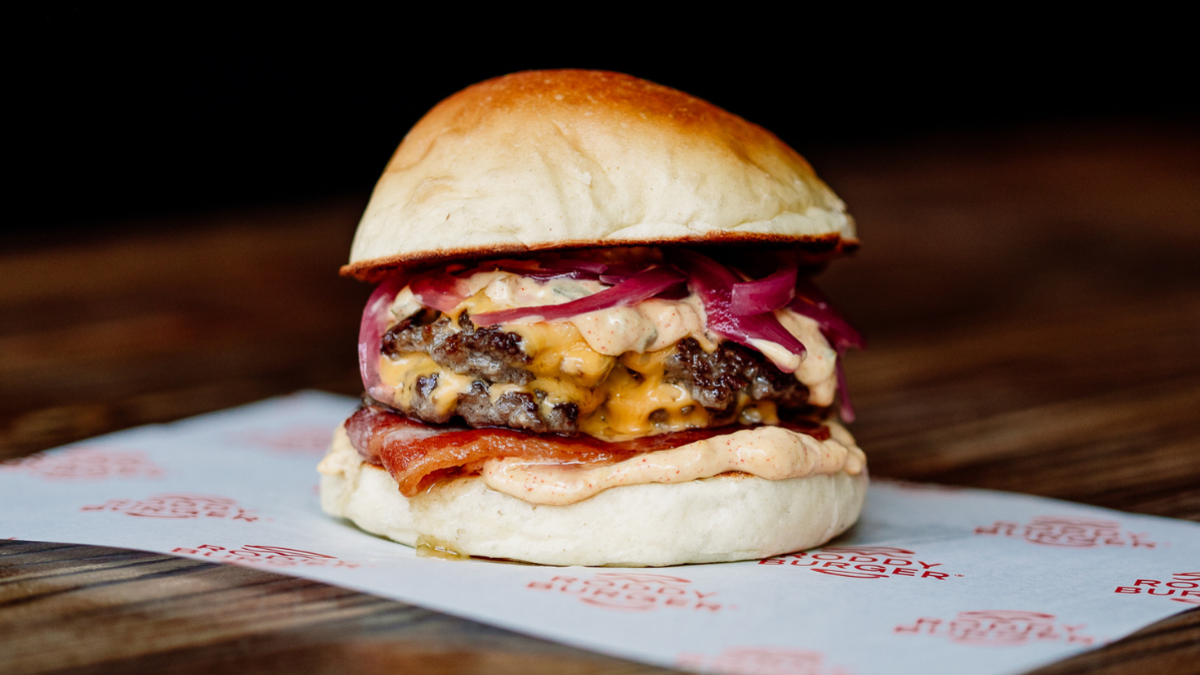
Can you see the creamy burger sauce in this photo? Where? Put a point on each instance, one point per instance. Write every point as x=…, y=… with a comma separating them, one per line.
x=575, y=359
x=772, y=453
x=649, y=326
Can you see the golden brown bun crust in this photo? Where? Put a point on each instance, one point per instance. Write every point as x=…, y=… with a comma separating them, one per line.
x=575, y=158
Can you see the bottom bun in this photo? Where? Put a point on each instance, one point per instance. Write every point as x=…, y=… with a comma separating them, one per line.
x=733, y=516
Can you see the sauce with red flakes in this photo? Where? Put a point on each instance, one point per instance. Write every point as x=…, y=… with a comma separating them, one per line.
x=417, y=454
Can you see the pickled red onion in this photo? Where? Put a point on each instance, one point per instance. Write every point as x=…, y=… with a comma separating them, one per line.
x=561, y=268
x=845, y=408
x=811, y=302
x=713, y=282
x=764, y=295
x=370, y=332
x=632, y=291
x=615, y=274
x=440, y=290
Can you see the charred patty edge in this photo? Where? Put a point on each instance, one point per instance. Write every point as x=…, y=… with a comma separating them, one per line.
x=716, y=380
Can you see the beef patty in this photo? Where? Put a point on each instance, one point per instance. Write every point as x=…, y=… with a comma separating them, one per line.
x=714, y=379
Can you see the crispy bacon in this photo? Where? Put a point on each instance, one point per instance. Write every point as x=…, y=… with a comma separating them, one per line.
x=417, y=454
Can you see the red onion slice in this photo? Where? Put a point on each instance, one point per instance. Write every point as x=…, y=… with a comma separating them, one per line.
x=713, y=282
x=440, y=290
x=811, y=302
x=552, y=269
x=370, y=333
x=620, y=272
x=845, y=408
x=641, y=287
x=765, y=295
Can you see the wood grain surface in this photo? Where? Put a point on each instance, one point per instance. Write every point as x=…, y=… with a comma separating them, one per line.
x=1031, y=301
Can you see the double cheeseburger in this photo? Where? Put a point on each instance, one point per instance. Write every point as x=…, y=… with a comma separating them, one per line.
x=595, y=339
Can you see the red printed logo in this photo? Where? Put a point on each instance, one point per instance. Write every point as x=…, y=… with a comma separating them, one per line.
x=760, y=661
x=311, y=441
x=1181, y=587
x=1068, y=531
x=632, y=591
x=257, y=555
x=862, y=562
x=178, y=506
x=86, y=464
x=999, y=628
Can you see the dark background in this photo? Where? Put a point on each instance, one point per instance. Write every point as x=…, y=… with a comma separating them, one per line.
x=124, y=116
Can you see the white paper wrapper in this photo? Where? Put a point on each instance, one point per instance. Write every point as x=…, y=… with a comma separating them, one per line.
x=932, y=580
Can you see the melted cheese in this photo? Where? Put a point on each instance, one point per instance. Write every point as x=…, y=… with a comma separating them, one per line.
x=617, y=398
x=403, y=375
x=772, y=453
x=559, y=351
x=611, y=362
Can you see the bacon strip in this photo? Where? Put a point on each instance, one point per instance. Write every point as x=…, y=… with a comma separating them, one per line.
x=417, y=454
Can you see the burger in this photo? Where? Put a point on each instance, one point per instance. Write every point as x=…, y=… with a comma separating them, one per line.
x=595, y=338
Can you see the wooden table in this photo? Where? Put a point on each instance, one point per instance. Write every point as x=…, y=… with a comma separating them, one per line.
x=1031, y=299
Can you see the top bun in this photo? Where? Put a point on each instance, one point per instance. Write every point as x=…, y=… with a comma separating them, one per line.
x=579, y=158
